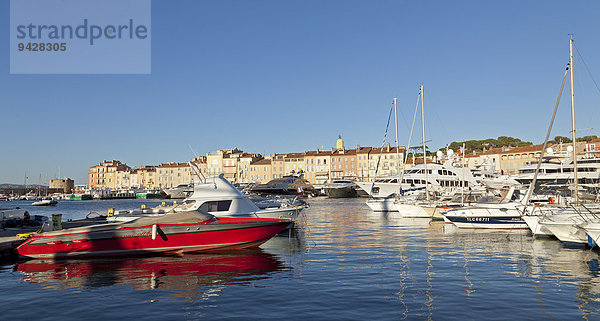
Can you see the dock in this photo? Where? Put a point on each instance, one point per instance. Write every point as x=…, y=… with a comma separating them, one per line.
x=8, y=246
x=9, y=240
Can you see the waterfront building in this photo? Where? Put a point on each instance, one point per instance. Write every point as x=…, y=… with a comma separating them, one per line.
x=104, y=175
x=309, y=166
x=201, y=164
x=124, y=178
x=322, y=167
x=236, y=164
x=344, y=163
x=243, y=166
x=294, y=164
x=67, y=185
x=379, y=162
x=146, y=177
x=486, y=160
x=362, y=161
x=514, y=158
x=260, y=171
x=317, y=166
x=592, y=148
x=169, y=175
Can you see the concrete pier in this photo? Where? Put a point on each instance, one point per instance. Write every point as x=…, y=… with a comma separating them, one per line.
x=8, y=246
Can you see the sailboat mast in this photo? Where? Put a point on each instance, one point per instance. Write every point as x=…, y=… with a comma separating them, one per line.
x=574, y=152
x=424, y=147
x=397, y=147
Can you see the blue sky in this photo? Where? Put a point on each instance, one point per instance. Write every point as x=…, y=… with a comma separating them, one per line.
x=289, y=76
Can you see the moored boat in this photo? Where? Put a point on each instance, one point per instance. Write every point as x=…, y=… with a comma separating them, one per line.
x=217, y=196
x=288, y=185
x=45, y=202
x=340, y=188
x=185, y=232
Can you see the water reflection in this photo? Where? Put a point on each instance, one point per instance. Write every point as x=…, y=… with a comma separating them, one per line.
x=433, y=257
x=198, y=273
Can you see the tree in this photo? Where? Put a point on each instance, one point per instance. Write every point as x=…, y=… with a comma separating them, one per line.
x=560, y=139
x=587, y=138
x=418, y=151
x=479, y=145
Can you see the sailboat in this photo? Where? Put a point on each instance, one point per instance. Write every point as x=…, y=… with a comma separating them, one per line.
x=567, y=223
x=408, y=205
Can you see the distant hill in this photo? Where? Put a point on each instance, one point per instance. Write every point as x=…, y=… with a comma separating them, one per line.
x=21, y=186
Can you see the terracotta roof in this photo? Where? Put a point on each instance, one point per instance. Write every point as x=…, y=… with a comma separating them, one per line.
x=345, y=152
x=524, y=149
x=418, y=160
x=392, y=150
x=173, y=165
x=262, y=162
x=295, y=155
x=496, y=150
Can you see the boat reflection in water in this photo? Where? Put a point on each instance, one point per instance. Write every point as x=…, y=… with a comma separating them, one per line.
x=201, y=273
x=533, y=261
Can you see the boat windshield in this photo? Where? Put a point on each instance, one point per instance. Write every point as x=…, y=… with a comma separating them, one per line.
x=489, y=200
x=468, y=198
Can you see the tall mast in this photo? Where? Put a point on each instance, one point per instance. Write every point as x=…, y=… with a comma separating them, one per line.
x=424, y=148
x=397, y=147
x=574, y=152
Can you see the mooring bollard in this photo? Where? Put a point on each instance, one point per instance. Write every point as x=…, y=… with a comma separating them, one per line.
x=56, y=222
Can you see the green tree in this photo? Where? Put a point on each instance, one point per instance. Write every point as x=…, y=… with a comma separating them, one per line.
x=480, y=145
x=560, y=139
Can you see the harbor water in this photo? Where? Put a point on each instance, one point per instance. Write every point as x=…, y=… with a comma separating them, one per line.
x=341, y=262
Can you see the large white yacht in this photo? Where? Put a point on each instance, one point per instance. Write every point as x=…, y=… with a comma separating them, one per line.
x=438, y=177
x=559, y=171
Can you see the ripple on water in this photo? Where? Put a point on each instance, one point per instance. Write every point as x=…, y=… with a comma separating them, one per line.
x=342, y=262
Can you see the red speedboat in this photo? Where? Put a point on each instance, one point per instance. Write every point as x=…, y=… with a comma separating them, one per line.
x=185, y=232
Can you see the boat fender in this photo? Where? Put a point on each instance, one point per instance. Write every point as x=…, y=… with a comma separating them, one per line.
x=154, y=231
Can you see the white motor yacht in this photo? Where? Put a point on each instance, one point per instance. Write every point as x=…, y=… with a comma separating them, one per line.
x=438, y=177
x=217, y=196
x=491, y=212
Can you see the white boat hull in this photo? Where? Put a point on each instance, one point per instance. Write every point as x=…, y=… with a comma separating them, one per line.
x=533, y=222
x=566, y=232
x=486, y=218
x=409, y=210
x=382, y=205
